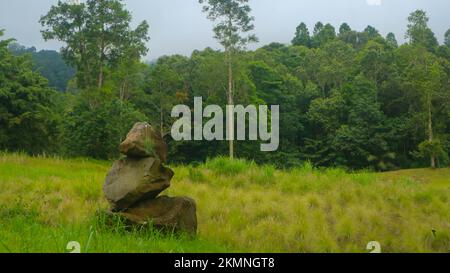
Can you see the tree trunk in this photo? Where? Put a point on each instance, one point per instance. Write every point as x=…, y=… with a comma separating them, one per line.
x=102, y=58
x=430, y=133
x=161, y=129
x=430, y=122
x=122, y=92
x=100, y=76
x=230, y=102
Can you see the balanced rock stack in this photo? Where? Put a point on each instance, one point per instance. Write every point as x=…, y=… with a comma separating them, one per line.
x=134, y=183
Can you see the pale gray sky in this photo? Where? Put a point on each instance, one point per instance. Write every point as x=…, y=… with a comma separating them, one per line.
x=178, y=26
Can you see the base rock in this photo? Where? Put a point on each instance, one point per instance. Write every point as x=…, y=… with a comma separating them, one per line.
x=177, y=214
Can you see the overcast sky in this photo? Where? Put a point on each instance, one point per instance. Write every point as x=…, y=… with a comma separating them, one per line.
x=179, y=27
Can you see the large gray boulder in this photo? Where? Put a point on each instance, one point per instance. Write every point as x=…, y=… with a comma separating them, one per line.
x=173, y=214
x=143, y=141
x=131, y=180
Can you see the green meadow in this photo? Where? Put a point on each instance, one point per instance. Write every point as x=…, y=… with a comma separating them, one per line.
x=47, y=202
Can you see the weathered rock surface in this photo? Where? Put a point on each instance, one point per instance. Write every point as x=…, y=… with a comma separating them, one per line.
x=143, y=141
x=131, y=180
x=134, y=183
x=177, y=214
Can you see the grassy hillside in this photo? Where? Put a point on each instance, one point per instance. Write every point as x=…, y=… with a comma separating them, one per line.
x=47, y=202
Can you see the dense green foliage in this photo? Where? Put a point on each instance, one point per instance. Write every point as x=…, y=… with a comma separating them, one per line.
x=28, y=116
x=347, y=98
x=100, y=43
x=49, y=63
x=352, y=99
x=95, y=131
x=97, y=36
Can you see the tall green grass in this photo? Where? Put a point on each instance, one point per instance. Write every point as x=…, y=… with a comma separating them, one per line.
x=224, y=166
x=46, y=202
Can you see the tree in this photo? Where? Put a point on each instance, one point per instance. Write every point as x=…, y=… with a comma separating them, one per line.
x=360, y=140
x=418, y=31
x=98, y=132
x=28, y=116
x=165, y=84
x=302, y=36
x=49, y=63
x=96, y=34
x=325, y=114
x=371, y=32
x=447, y=38
x=425, y=76
x=391, y=40
x=318, y=27
x=432, y=149
x=323, y=34
x=275, y=85
x=127, y=79
x=343, y=29
x=376, y=62
x=233, y=23
x=335, y=63
x=355, y=38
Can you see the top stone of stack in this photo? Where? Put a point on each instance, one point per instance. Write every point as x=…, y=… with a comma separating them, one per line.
x=143, y=141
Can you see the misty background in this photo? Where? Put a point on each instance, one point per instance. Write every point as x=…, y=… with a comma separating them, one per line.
x=179, y=26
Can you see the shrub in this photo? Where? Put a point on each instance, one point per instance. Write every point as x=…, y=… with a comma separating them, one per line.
x=227, y=166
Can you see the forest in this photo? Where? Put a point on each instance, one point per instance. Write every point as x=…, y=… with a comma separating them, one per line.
x=348, y=98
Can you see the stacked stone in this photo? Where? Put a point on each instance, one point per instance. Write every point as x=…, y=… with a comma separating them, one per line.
x=134, y=183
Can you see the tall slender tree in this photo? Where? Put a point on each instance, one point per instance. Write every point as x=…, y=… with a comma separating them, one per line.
x=302, y=36
x=233, y=24
x=418, y=31
x=371, y=32
x=344, y=28
x=318, y=27
x=391, y=40
x=323, y=34
x=425, y=76
x=447, y=38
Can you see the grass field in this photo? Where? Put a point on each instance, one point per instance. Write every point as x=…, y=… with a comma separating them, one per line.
x=47, y=202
